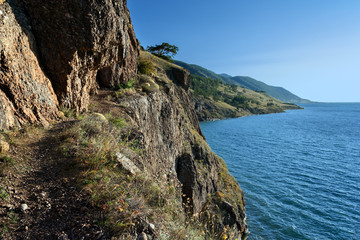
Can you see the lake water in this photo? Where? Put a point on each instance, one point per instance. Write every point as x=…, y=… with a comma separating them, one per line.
x=299, y=170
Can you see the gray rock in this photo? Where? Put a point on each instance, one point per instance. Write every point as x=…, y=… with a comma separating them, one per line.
x=127, y=164
x=152, y=226
x=142, y=236
x=24, y=207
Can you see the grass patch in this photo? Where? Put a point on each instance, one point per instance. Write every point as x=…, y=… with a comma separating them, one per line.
x=3, y=194
x=122, y=200
x=9, y=222
x=117, y=122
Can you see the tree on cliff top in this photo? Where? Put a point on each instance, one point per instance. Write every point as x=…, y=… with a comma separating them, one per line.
x=165, y=51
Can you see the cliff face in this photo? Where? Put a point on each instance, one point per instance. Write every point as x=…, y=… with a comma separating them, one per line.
x=176, y=150
x=26, y=95
x=67, y=47
x=57, y=53
x=81, y=42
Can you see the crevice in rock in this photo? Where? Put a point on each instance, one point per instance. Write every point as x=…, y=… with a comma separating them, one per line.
x=186, y=173
x=3, y=63
x=6, y=90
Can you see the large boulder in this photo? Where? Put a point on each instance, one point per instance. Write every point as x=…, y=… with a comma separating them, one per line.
x=81, y=41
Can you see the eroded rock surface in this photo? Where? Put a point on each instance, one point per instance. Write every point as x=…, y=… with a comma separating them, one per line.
x=59, y=52
x=26, y=94
x=176, y=149
x=81, y=42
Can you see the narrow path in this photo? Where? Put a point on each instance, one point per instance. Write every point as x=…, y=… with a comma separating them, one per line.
x=56, y=208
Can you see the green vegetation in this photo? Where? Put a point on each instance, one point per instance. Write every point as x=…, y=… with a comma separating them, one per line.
x=220, y=100
x=120, y=198
x=245, y=82
x=3, y=194
x=165, y=51
x=146, y=66
x=206, y=87
x=117, y=122
x=126, y=85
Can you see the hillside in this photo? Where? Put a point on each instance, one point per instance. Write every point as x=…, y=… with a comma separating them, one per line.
x=247, y=82
x=216, y=100
x=276, y=92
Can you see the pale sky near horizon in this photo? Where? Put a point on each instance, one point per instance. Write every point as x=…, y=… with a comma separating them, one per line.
x=310, y=47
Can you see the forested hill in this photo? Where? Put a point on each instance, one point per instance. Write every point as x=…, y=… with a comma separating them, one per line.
x=246, y=82
x=217, y=100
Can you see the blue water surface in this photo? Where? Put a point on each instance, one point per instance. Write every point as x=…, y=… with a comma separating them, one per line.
x=299, y=170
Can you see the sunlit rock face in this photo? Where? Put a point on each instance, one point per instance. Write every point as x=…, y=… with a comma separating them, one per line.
x=26, y=94
x=56, y=53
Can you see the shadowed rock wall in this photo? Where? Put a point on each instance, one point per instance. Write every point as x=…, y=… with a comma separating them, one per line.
x=83, y=40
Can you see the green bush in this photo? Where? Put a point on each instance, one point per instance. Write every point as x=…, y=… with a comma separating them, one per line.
x=146, y=67
x=126, y=85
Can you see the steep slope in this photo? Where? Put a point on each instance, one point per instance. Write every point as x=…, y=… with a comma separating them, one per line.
x=215, y=99
x=246, y=82
x=197, y=70
x=81, y=42
x=145, y=168
x=276, y=92
x=137, y=165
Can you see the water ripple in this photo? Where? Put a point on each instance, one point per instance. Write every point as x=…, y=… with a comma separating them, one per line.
x=299, y=170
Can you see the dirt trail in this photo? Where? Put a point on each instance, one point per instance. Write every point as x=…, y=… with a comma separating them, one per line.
x=56, y=208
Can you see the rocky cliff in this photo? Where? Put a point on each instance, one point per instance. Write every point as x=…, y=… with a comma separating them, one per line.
x=26, y=93
x=69, y=48
x=57, y=54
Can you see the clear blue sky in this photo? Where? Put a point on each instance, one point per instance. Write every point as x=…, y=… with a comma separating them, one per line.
x=310, y=47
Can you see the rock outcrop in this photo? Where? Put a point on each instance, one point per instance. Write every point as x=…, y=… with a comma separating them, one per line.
x=176, y=150
x=81, y=42
x=26, y=94
x=68, y=48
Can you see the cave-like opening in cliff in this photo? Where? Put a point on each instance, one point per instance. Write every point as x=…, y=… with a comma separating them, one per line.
x=104, y=77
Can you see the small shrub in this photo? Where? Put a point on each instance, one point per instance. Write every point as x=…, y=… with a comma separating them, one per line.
x=3, y=194
x=150, y=87
x=146, y=67
x=69, y=112
x=126, y=85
